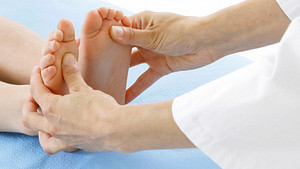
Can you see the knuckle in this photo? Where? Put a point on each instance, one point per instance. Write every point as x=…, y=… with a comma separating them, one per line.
x=132, y=35
x=46, y=110
x=154, y=40
x=53, y=130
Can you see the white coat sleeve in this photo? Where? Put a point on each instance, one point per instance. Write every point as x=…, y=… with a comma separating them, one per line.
x=249, y=119
x=290, y=7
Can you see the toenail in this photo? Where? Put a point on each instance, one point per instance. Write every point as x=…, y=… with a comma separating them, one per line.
x=117, y=31
x=52, y=43
x=47, y=57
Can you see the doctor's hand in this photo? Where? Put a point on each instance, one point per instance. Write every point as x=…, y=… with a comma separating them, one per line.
x=167, y=42
x=84, y=119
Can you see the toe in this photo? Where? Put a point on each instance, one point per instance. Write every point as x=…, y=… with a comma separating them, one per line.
x=119, y=15
x=51, y=47
x=48, y=74
x=111, y=14
x=46, y=61
x=103, y=12
x=55, y=35
x=67, y=28
x=126, y=21
x=91, y=24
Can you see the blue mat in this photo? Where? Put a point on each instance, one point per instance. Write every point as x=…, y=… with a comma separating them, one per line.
x=20, y=151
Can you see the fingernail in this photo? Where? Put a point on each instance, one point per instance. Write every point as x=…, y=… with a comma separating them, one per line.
x=69, y=59
x=118, y=32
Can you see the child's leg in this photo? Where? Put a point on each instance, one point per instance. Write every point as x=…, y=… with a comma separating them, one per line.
x=20, y=50
x=12, y=98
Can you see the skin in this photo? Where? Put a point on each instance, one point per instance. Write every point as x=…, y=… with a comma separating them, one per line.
x=103, y=63
x=149, y=126
x=23, y=47
x=66, y=126
x=203, y=40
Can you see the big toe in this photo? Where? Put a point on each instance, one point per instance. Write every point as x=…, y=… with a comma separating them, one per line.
x=67, y=28
x=92, y=23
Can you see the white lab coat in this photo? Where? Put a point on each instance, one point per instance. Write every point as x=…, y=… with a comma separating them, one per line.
x=250, y=119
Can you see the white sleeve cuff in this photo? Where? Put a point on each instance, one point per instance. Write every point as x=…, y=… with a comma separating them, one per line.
x=249, y=118
x=290, y=7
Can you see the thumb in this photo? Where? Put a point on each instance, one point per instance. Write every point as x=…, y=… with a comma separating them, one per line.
x=71, y=74
x=131, y=36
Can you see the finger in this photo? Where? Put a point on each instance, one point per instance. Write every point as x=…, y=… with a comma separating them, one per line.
x=51, y=145
x=131, y=36
x=141, y=84
x=136, y=58
x=41, y=94
x=31, y=118
x=72, y=75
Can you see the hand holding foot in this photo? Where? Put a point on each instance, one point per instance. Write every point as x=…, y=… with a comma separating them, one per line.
x=166, y=42
x=59, y=42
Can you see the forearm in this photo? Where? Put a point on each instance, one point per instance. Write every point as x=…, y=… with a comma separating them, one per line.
x=152, y=126
x=250, y=24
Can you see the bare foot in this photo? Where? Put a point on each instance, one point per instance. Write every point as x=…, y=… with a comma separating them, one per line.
x=59, y=43
x=103, y=63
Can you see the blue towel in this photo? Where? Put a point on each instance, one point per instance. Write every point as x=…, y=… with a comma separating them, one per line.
x=21, y=151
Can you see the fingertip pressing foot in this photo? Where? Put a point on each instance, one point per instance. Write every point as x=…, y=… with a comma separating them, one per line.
x=59, y=42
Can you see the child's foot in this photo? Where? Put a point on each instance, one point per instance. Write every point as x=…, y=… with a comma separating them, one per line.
x=59, y=43
x=103, y=63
